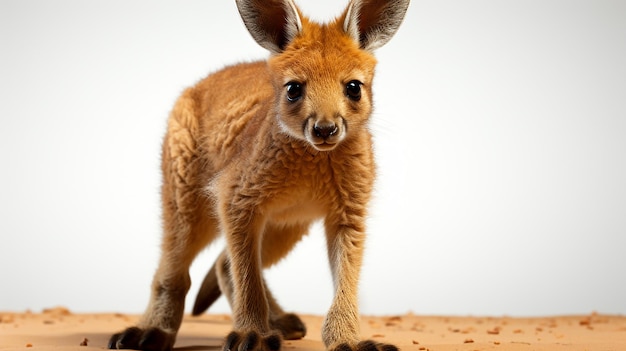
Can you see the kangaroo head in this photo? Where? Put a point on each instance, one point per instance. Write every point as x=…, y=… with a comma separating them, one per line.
x=322, y=73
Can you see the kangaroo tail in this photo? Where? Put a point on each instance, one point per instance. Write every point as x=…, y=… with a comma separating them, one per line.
x=209, y=292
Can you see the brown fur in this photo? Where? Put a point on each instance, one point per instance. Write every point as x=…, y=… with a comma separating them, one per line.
x=242, y=159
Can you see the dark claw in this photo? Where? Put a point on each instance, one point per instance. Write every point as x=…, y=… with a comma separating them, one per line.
x=250, y=342
x=343, y=347
x=113, y=341
x=152, y=339
x=273, y=342
x=388, y=347
x=231, y=341
x=128, y=339
x=366, y=345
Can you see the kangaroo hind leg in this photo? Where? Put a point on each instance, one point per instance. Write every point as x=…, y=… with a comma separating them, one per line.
x=278, y=241
x=188, y=227
x=159, y=325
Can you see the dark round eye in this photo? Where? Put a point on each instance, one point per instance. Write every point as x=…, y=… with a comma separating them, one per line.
x=353, y=90
x=294, y=91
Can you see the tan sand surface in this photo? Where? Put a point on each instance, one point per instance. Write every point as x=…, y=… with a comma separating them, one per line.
x=59, y=329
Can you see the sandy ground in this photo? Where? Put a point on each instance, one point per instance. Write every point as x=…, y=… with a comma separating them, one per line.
x=59, y=329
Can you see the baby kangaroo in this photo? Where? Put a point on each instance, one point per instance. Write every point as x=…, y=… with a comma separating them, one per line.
x=258, y=151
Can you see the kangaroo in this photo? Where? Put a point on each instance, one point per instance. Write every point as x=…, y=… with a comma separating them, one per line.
x=258, y=151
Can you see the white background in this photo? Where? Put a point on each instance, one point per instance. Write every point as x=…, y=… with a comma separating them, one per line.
x=500, y=131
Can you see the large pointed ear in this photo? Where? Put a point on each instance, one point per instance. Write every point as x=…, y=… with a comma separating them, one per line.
x=272, y=23
x=373, y=22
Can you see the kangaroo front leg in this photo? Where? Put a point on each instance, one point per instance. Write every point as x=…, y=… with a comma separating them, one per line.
x=250, y=303
x=340, y=331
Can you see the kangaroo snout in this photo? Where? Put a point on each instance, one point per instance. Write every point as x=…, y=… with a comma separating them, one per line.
x=324, y=129
x=324, y=135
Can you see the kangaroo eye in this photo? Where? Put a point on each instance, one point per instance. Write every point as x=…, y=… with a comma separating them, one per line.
x=294, y=91
x=353, y=90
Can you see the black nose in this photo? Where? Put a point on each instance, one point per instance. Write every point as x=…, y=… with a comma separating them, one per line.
x=324, y=129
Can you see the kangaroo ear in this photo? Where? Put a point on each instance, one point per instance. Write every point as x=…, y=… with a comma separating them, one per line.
x=272, y=23
x=372, y=23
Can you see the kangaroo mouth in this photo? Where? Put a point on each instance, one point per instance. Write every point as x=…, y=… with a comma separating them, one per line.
x=324, y=146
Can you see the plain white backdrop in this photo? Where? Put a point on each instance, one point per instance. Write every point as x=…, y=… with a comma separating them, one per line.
x=500, y=135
